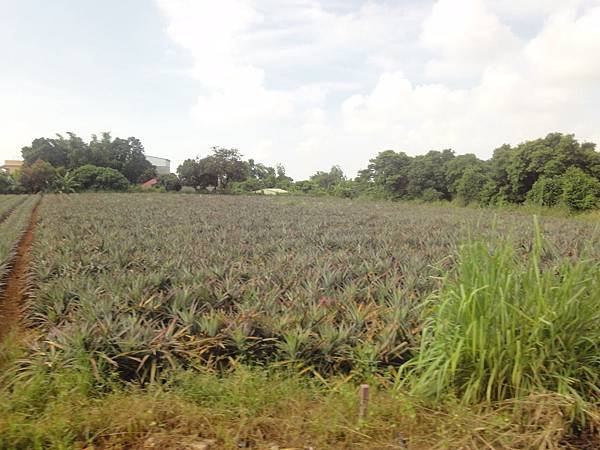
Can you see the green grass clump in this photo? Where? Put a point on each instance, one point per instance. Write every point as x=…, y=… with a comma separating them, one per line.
x=505, y=328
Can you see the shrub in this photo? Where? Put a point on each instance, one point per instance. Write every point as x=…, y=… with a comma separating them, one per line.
x=346, y=189
x=431, y=195
x=170, y=182
x=39, y=177
x=470, y=185
x=7, y=183
x=243, y=187
x=546, y=192
x=95, y=178
x=580, y=190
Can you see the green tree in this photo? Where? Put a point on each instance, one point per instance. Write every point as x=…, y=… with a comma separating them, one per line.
x=170, y=182
x=546, y=191
x=548, y=157
x=7, y=183
x=456, y=167
x=388, y=170
x=471, y=184
x=498, y=167
x=218, y=169
x=328, y=180
x=91, y=177
x=283, y=181
x=580, y=190
x=188, y=172
x=226, y=165
x=125, y=155
x=428, y=173
x=53, y=151
x=38, y=177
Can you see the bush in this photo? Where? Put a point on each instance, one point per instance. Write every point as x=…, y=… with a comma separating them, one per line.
x=95, y=178
x=580, y=190
x=346, y=189
x=170, y=182
x=546, y=192
x=470, y=186
x=39, y=177
x=431, y=195
x=7, y=183
x=244, y=187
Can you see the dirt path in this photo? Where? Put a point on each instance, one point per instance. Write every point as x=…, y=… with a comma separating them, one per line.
x=12, y=295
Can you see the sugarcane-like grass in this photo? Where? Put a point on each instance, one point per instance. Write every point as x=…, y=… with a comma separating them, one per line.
x=503, y=328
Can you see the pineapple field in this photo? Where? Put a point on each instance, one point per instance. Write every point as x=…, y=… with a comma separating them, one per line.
x=431, y=305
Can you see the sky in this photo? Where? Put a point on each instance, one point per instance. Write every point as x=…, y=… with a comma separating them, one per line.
x=304, y=83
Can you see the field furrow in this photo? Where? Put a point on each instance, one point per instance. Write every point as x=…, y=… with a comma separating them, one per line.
x=12, y=229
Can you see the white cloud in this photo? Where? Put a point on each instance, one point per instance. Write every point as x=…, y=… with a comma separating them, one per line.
x=537, y=93
x=465, y=37
x=311, y=85
x=567, y=49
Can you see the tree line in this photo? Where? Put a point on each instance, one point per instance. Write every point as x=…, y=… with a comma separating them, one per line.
x=69, y=164
x=550, y=171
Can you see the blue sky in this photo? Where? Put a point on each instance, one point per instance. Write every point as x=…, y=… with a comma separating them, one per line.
x=306, y=83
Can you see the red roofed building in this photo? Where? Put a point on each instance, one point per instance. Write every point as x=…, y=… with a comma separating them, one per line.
x=148, y=184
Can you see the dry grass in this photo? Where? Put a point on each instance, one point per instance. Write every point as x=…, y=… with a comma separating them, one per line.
x=260, y=409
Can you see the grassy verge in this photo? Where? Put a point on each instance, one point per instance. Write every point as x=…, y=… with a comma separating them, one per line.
x=263, y=409
x=505, y=327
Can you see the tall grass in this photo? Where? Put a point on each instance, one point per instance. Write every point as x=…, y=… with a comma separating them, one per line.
x=508, y=325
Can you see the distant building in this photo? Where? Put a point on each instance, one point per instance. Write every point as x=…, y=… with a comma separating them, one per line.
x=12, y=165
x=163, y=165
x=148, y=184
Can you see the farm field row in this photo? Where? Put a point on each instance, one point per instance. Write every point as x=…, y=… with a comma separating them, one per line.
x=160, y=291
x=15, y=212
x=328, y=285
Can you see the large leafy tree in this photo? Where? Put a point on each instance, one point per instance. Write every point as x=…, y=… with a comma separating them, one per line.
x=53, y=151
x=389, y=169
x=470, y=188
x=548, y=157
x=427, y=173
x=265, y=175
x=170, y=182
x=7, y=183
x=189, y=173
x=99, y=178
x=124, y=155
x=227, y=165
x=580, y=191
x=218, y=170
x=39, y=176
x=456, y=168
x=328, y=180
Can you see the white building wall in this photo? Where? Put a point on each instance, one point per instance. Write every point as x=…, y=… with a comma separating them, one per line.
x=163, y=165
